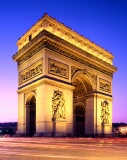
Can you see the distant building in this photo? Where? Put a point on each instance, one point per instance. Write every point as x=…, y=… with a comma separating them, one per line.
x=120, y=129
x=8, y=129
x=65, y=82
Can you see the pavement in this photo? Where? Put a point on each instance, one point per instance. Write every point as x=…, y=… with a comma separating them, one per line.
x=12, y=148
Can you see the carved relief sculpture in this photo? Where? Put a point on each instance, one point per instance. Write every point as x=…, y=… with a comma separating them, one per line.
x=104, y=85
x=31, y=72
x=58, y=105
x=58, y=69
x=74, y=70
x=105, y=115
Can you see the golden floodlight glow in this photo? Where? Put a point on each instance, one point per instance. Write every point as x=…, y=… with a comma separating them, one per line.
x=65, y=83
x=60, y=30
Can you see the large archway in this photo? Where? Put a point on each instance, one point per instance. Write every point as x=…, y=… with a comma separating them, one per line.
x=79, y=119
x=31, y=116
x=82, y=89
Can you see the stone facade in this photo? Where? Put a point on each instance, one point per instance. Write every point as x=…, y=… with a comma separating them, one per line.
x=65, y=82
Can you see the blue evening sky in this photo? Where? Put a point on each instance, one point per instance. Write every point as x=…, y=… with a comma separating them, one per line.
x=102, y=21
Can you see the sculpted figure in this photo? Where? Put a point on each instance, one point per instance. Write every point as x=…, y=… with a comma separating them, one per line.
x=105, y=112
x=58, y=107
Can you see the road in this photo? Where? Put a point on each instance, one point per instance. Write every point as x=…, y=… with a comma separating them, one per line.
x=63, y=148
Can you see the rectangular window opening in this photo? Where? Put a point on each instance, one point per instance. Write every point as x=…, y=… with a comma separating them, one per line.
x=30, y=37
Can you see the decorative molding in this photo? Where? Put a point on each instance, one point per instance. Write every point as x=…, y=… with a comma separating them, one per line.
x=76, y=58
x=58, y=105
x=46, y=42
x=56, y=28
x=31, y=72
x=30, y=53
x=74, y=70
x=58, y=68
x=28, y=93
x=105, y=114
x=92, y=77
x=104, y=85
x=41, y=78
x=102, y=93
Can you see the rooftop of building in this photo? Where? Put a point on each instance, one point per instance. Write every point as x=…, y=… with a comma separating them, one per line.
x=57, y=28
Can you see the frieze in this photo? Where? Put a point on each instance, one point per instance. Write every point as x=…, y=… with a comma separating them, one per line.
x=57, y=48
x=58, y=68
x=31, y=72
x=104, y=85
x=31, y=52
x=77, y=59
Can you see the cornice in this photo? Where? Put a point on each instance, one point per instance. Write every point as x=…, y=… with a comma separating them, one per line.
x=81, y=59
x=47, y=40
x=67, y=47
x=56, y=28
x=46, y=80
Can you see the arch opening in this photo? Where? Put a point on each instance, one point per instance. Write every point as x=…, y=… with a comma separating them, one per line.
x=79, y=120
x=31, y=116
x=83, y=87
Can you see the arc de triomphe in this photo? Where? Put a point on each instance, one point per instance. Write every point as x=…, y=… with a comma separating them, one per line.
x=64, y=82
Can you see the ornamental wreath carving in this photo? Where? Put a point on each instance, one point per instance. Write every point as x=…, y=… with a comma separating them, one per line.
x=105, y=115
x=58, y=105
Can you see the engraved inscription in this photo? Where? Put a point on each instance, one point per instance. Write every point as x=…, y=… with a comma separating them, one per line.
x=58, y=68
x=31, y=72
x=104, y=85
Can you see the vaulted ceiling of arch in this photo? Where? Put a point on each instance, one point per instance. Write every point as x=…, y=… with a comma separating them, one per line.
x=79, y=109
x=82, y=86
x=80, y=89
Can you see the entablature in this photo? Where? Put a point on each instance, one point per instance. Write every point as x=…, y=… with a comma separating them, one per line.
x=46, y=39
x=60, y=30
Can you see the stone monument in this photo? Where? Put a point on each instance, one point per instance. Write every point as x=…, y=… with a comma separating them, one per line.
x=64, y=82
